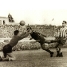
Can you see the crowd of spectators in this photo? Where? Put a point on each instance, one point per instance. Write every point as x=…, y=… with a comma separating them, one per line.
x=6, y=31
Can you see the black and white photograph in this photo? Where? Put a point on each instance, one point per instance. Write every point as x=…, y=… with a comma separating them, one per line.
x=33, y=33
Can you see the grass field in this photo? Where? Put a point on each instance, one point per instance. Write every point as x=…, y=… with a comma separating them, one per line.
x=36, y=58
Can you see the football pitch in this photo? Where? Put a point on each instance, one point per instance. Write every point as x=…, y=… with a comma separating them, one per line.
x=36, y=58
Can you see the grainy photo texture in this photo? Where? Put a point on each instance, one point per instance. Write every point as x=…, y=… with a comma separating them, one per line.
x=33, y=33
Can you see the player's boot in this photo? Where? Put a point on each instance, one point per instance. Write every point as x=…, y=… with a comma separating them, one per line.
x=0, y=58
x=57, y=54
x=51, y=54
x=61, y=55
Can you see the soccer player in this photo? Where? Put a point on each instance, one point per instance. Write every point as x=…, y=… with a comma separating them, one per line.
x=60, y=39
x=7, y=49
x=40, y=38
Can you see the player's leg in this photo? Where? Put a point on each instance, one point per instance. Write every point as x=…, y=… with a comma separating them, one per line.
x=58, y=49
x=61, y=42
x=59, y=52
x=45, y=47
x=4, y=55
x=11, y=56
x=6, y=49
x=5, y=59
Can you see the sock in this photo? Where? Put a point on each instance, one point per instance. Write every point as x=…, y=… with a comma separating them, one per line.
x=48, y=50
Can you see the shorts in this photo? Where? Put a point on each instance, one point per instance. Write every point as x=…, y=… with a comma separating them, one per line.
x=7, y=49
x=42, y=41
x=61, y=41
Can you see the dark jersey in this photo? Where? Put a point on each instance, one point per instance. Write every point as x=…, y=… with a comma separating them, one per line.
x=37, y=36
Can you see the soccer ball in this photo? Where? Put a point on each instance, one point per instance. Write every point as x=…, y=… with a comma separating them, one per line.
x=22, y=23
